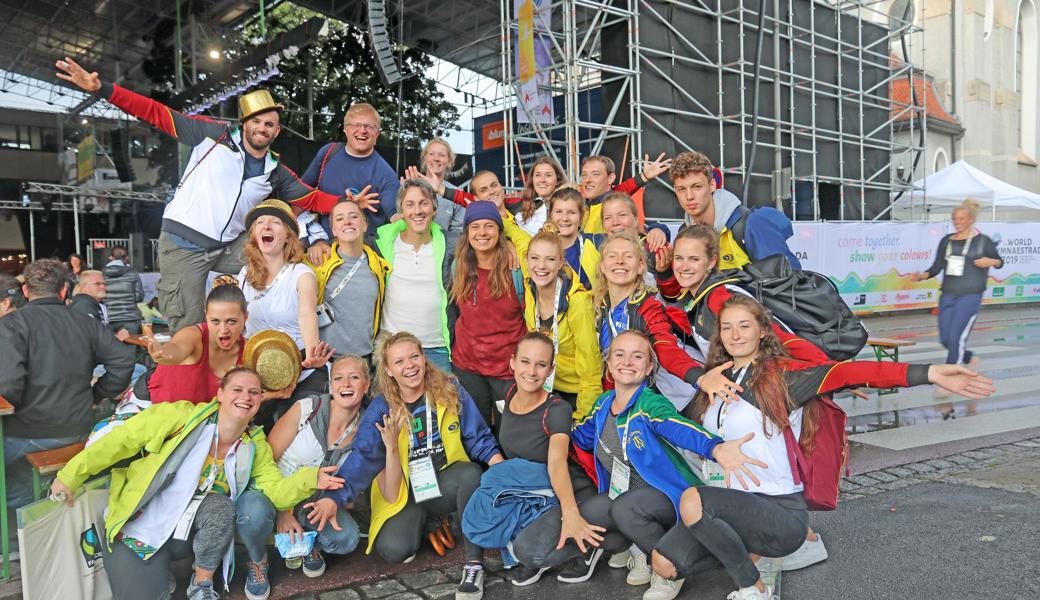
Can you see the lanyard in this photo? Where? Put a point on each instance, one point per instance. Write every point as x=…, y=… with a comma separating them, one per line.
x=624, y=435
x=429, y=429
x=548, y=385
x=260, y=294
x=610, y=318
x=720, y=420
x=350, y=275
x=346, y=433
x=211, y=478
x=964, y=251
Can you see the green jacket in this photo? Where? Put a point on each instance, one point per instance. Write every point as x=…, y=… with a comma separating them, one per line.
x=166, y=433
x=385, y=237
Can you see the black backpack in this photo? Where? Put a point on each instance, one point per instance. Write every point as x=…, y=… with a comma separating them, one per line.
x=806, y=301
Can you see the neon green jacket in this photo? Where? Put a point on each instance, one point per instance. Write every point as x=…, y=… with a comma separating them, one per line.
x=165, y=433
x=385, y=237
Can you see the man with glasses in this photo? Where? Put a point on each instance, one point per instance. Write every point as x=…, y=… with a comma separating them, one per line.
x=354, y=165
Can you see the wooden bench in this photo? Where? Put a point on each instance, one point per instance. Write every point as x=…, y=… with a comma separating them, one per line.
x=888, y=349
x=47, y=462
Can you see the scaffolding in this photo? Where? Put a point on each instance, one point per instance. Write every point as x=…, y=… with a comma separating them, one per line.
x=815, y=32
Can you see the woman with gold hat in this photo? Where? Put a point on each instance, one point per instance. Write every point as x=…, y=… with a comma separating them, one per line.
x=282, y=291
x=178, y=497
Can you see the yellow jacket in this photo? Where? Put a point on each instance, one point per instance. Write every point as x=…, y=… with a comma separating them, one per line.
x=579, y=367
x=379, y=267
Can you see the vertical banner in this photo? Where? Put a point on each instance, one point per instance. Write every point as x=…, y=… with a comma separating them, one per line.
x=533, y=61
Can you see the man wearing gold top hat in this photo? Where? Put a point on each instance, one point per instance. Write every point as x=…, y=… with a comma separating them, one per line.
x=230, y=171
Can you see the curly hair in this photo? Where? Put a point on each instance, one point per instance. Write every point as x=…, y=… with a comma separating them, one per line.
x=767, y=379
x=256, y=266
x=690, y=162
x=528, y=195
x=439, y=388
x=600, y=286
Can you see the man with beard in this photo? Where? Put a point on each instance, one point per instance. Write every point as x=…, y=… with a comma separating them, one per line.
x=230, y=171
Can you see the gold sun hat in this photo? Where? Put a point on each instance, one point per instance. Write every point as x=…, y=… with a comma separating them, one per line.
x=275, y=357
x=256, y=102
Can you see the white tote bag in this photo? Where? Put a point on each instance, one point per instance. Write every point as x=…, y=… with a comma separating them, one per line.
x=61, y=547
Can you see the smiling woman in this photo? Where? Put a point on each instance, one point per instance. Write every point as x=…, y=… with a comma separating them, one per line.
x=208, y=457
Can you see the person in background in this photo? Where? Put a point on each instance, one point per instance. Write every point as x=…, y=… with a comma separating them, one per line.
x=74, y=264
x=47, y=357
x=543, y=179
x=351, y=286
x=486, y=307
x=416, y=298
x=767, y=515
x=125, y=290
x=230, y=171
x=88, y=298
x=150, y=314
x=354, y=165
x=282, y=291
x=11, y=296
x=745, y=235
x=190, y=465
x=437, y=159
x=620, y=215
x=318, y=431
x=567, y=211
x=597, y=179
x=964, y=258
x=417, y=447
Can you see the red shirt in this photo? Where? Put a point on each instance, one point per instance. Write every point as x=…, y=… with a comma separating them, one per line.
x=197, y=383
x=487, y=330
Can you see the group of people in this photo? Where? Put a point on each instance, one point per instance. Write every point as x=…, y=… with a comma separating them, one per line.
x=542, y=374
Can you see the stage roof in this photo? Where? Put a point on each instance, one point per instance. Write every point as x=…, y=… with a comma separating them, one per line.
x=110, y=34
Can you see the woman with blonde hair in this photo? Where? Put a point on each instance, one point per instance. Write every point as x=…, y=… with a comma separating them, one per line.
x=415, y=446
x=965, y=258
x=281, y=290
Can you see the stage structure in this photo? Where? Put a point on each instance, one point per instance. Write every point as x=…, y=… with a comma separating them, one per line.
x=680, y=74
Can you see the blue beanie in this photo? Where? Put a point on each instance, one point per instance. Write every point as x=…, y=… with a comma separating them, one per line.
x=480, y=210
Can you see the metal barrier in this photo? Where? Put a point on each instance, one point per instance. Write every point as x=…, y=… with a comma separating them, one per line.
x=98, y=248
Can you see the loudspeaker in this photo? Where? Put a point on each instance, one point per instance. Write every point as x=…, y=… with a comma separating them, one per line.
x=140, y=252
x=121, y=154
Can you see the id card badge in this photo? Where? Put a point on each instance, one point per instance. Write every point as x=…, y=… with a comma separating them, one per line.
x=183, y=529
x=709, y=472
x=619, y=474
x=423, y=478
x=955, y=266
x=325, y=316
x=548, y=385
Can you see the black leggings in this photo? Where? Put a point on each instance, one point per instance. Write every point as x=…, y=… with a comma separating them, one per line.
x=733, y=524
x=402, y=534
x=485, y=391
x=639, y=516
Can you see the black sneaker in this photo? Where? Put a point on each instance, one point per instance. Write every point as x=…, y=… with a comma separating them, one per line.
x=581, y=568
x=314, y=564
x=522, y=575
x=472, y=585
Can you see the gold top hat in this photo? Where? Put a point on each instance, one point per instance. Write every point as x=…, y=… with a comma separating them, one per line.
x=275, y=208
x=255, y=102
x=275, y=357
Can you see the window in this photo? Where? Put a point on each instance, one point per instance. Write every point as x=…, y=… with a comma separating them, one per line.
x=29, y=137
x=940, y=161
x=1026, y=76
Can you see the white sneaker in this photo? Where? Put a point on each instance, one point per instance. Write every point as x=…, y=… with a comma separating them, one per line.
x=619, y=560
x=750, y=593
x=809, y=553
x=639, y=572
x=662, y=589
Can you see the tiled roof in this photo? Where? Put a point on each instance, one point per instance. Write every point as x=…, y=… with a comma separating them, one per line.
x=924, y=88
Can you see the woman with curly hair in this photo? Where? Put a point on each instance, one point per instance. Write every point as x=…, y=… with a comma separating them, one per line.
x=281, y=290
x=415, y=446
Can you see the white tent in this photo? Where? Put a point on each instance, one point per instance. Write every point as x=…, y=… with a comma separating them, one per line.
x=934, y=196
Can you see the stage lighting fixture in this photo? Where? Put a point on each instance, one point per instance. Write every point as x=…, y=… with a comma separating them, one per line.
x=214, y=54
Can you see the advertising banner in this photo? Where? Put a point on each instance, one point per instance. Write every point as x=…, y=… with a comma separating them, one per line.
x=533, y=61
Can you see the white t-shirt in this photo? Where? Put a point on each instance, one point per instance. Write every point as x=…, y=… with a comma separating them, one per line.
x=305, y=450
x=277, y=306
x=412, y=301
x=534, y=224
x=743, y=418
